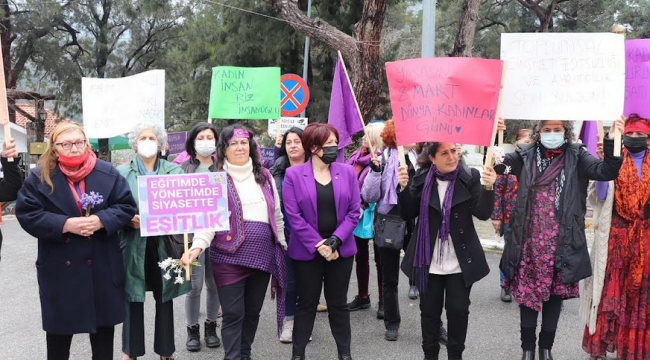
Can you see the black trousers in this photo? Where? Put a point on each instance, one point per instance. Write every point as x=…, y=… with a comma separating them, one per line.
x=390, y=280
x=448, y=291
x=241, y=303
x=58, y=346
x=310, y=278
x=551, y=311
x=133, y=328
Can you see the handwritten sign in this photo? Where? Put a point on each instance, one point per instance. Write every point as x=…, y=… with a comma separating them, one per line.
x=286, y=123
x=563, y=76
x=245, y=93
x=637, y=77
x=444, y=99
x=176, y=141
x=112, y=107
x=187, y=203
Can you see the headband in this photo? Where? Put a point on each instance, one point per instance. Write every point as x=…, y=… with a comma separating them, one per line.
x=240, y=133
x=637, y=124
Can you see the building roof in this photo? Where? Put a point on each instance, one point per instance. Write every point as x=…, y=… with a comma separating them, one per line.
x=51, y=120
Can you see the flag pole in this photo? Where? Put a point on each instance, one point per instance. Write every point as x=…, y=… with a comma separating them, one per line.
x=356, y=104
x=497, y=115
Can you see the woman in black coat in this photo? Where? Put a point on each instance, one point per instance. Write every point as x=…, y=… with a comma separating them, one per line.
x=445, y=256
x=79, y=265
x=545, y=254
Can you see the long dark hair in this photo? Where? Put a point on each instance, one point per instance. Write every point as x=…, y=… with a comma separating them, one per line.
x=283, y=147
x=428, y=148
x=191, y=137
x=255, y=152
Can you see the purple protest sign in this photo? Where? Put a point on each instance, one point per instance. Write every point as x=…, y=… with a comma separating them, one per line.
x=176, y=141
x=268, y=155
x=187, y=203
x=637, y=77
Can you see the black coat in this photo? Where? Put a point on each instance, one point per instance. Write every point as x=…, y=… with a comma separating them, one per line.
x=572, y=256
x=80, y=279
x=469, y=199
x=11, y=182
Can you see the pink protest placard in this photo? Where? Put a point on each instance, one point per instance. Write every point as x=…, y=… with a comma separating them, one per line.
x=637, y=77
x=187, y=203
x=444, y=99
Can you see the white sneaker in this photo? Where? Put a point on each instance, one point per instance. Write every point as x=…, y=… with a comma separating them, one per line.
x=287, y=332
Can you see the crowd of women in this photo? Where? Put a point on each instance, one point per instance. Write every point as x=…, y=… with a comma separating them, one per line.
x=299, y=227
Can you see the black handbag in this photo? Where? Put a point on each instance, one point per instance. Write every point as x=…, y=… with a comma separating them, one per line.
x=390, y=231
x=175, y=245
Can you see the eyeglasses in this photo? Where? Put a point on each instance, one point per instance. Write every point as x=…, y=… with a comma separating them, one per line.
x=81, y=144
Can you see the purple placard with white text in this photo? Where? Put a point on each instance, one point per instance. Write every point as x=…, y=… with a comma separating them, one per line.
x=186, y=203
x=637, y=77
x=176, y=141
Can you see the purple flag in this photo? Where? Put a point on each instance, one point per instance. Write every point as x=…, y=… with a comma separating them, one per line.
x=589, y=136
x=344, y=114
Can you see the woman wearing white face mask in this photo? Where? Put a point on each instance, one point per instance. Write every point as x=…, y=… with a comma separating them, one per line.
x=545, y=254
x=142, y=254
x=200, y=146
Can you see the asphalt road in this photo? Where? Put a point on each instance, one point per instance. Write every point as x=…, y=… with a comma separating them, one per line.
x=493, y=329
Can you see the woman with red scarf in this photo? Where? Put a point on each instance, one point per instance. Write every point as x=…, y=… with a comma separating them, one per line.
x=79, y=265
x=615, y=302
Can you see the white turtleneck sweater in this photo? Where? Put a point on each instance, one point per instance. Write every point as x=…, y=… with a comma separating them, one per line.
x=253, y=204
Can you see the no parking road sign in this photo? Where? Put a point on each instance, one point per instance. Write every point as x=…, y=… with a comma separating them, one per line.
x=294, y=95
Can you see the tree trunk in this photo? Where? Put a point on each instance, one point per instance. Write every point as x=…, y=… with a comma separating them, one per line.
x=466, y=29
x=547, y=21
x=361, y=52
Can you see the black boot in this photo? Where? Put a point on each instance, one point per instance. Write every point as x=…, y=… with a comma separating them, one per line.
x=193, y=338
x=345, y=357
x=546, y=340
x=528, y=355
x=211, y=338
x=545, y=354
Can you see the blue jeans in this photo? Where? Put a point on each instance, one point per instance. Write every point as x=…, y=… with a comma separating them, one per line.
x=292, y=296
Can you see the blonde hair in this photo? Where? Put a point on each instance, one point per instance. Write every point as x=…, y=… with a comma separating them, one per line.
x=49, y=160
x=373, y=132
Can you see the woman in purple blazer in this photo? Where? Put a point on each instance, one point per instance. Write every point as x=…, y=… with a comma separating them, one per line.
x=322, y=204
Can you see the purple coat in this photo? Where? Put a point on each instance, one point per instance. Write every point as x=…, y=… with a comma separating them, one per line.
x=299, y=198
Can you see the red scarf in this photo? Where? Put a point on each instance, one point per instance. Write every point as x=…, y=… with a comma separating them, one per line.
x=631, y=198
x=86, y=163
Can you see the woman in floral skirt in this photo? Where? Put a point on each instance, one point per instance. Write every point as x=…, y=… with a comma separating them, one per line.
x=545, y=253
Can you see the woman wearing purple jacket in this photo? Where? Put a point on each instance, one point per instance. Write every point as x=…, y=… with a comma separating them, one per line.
x=321, y=201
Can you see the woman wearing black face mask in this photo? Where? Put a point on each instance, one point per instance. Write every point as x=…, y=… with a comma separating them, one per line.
x=322, y=205
x=614, y=302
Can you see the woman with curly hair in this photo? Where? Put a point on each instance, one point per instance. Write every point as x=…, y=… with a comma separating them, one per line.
x=545, y=252
x=246, y=257
x=380, y=187
x=614, y=302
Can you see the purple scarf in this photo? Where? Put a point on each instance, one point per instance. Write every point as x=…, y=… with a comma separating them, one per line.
x=422, y=259
x=230, y=241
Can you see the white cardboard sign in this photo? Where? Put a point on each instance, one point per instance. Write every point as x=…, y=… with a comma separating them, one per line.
x=112, y=107
x=286, y=123
x=563, y=76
